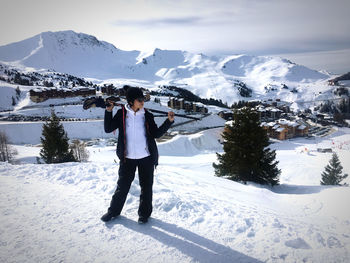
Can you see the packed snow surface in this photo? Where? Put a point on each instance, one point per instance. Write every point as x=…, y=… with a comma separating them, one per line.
x=51, y=212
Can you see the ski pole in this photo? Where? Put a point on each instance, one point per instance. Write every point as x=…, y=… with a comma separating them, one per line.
x=178, y=115
x=102, y=103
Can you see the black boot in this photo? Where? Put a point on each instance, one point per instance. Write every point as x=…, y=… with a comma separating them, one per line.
x=142, y=220
x=107, y=217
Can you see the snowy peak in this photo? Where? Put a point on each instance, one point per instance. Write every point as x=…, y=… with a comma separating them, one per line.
x=65, y=40
x=52, y=41
x=69, y=52
x=155, y=66
x=168, y=58
x=239, y=65
x=163, y=59
x=19, y=50
x=275, y=68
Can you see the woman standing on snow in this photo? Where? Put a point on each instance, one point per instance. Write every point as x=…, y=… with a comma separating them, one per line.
x=136, y=149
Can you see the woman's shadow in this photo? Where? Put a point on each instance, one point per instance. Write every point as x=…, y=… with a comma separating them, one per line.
x=197, y=247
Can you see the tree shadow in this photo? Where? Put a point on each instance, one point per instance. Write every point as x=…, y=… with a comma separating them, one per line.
x=292, y=189
x=297, y=189
x=27, y=159
x=193, y=245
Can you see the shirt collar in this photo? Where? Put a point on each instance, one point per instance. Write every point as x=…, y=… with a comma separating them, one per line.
x=139, y=112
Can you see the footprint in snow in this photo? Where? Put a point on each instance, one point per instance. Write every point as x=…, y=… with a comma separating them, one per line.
x=251, y=234
x=92, y=170
x=241, y=229
x=198, y=220
x=248, y=224
x=320, y=239
x=249, y=221
x=333, y=242
x=298, y=243
x=277, y=224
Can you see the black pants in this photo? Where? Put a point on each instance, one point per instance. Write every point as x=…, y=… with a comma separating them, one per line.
x=126, y=176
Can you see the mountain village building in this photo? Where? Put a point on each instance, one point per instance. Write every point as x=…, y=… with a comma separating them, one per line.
x=284, y=129
x=181, y=104
x=41, y=94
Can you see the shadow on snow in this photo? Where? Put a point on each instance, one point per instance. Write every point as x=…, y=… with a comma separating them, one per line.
x=197, y=247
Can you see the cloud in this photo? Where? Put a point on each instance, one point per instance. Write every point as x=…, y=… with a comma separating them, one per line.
x=211, y=27
x=166, y=21
x=336, y=62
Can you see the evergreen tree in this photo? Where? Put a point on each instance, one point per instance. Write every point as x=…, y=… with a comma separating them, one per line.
x=246, y=154
x=332, y=174
x=55, y=142
x=47, y=84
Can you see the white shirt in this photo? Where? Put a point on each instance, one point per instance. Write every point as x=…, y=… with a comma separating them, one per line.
x=136, y=142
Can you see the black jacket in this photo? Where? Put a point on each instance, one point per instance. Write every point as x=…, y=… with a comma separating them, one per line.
x=152, y=132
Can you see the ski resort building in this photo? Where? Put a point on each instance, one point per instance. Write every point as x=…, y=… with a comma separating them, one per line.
x=41, y=94
x=181, y=104
x=284, y=129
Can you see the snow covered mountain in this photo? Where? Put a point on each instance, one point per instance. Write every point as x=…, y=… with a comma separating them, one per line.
x=69, y=52
x=84, y=56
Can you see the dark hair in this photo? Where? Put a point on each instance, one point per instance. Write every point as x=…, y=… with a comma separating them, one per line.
x=132, y=94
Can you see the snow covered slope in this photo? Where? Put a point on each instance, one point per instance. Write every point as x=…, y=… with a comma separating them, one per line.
x=85, y=56
x=51, y=212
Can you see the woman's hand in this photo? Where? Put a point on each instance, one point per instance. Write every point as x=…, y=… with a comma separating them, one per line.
x=171, y=116
x=110, y=107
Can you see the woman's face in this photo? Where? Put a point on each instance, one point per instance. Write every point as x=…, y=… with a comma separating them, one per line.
x=139, y=103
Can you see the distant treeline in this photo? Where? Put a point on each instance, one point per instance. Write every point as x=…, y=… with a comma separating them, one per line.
x=240, y=104
x=37, y=79
x=187, y=95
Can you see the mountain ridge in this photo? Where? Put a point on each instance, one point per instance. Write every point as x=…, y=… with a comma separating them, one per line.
x=85, y=56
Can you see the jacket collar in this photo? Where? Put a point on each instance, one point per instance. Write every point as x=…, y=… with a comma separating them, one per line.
x=130, y=110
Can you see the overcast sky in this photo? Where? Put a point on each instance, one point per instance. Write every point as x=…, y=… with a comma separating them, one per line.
x=310, y=32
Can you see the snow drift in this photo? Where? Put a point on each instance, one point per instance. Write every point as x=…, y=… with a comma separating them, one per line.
x=51, y=212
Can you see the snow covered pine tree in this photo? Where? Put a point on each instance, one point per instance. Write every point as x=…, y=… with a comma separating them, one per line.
x=332, y=174
x=55, y=142
x=246, y=154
